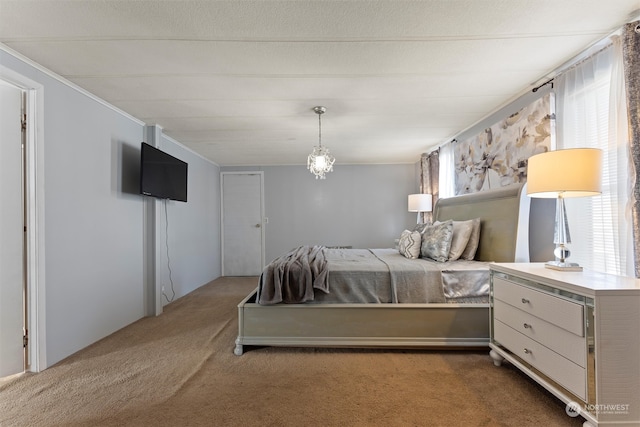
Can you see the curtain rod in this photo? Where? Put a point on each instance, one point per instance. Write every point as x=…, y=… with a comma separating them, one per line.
x=578, y=62
x=573, y=65
x=550, y=81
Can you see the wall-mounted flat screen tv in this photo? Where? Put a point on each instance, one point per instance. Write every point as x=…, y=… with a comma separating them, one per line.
x=162, y=175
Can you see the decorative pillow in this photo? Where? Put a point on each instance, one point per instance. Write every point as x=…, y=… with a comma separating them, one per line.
x=469, y=252
x=461, y=233
x=436, y=241
x=409, y=244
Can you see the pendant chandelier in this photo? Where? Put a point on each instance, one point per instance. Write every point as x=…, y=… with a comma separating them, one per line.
x=320, y=161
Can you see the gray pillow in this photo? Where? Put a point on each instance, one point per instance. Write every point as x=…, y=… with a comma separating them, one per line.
x=409, y=244
x=436, y=241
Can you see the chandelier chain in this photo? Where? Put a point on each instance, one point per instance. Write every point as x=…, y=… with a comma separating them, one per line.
x=319, y=130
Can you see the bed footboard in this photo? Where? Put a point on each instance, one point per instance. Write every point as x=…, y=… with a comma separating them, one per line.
x=362, y=325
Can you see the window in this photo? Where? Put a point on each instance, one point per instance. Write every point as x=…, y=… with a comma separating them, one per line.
x=592, y=113
x=447, y=172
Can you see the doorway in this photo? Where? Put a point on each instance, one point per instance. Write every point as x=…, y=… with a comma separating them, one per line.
x=27, y=171
x=13, y=292
x=242, y=223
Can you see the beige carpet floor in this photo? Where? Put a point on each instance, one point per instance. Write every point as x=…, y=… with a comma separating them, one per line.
x=179, y=369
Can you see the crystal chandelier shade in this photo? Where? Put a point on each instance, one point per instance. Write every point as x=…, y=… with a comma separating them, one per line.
x=320, y=161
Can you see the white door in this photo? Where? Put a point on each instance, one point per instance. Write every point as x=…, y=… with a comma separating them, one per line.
x=11, y=232
x=242, y=226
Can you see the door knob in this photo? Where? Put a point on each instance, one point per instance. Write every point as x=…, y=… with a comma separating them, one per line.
x=257, y=225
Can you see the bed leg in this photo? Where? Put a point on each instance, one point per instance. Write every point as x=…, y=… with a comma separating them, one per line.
x=497, y=359
x=239, y=349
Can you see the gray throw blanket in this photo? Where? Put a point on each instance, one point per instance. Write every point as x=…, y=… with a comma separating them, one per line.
x=292, y=277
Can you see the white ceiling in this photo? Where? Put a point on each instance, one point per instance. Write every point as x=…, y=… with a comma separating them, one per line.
x=236, y=81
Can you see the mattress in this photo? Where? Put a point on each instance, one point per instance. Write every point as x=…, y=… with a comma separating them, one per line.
x=381, y=276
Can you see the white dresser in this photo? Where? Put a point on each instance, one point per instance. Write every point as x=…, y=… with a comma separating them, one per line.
x=575, y=333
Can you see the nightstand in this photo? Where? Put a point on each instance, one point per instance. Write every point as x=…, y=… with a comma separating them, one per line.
x=575, y=333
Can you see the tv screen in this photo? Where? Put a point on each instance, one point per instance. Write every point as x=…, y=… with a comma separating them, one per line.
x=162, y=175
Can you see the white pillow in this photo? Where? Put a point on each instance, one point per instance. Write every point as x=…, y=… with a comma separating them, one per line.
x=461, y=233
x=464, y=243
x=469, y=252
x=409, y=244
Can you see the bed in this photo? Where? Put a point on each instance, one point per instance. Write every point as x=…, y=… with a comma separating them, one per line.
x=395, y=321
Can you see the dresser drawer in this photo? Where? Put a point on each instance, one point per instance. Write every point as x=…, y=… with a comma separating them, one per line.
x=558, y=311
x=563, y=371
x=569, y=345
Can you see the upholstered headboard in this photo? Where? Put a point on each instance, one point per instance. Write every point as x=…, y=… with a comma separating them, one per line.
x=504, y=218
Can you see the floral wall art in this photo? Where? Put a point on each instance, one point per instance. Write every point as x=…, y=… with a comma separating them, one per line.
x=498, y=156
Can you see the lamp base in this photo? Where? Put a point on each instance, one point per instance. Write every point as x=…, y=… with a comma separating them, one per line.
x=563, y=266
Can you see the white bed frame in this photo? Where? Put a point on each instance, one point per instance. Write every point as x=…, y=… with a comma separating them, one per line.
x=504, y=234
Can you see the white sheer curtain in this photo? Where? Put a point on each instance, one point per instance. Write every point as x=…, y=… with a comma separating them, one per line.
x=447, y=171
x=591, y=112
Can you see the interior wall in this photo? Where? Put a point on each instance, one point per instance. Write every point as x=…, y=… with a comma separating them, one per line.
x=194, y=226
x=93, y=220
x=363, y=206
x=93, y=239
x=541, y=228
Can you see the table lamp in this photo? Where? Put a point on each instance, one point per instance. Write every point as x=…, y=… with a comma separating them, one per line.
x=420, y=203
x=560, y=174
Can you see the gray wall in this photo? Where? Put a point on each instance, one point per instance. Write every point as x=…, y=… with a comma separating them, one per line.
x=93, y=240
x=364, y=206
x=194, y=227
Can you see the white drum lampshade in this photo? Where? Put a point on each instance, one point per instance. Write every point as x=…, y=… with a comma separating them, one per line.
x=420, y=203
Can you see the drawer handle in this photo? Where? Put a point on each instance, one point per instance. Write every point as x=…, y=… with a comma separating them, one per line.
x=527, y=351
x=525, y=301
x=527, y=326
